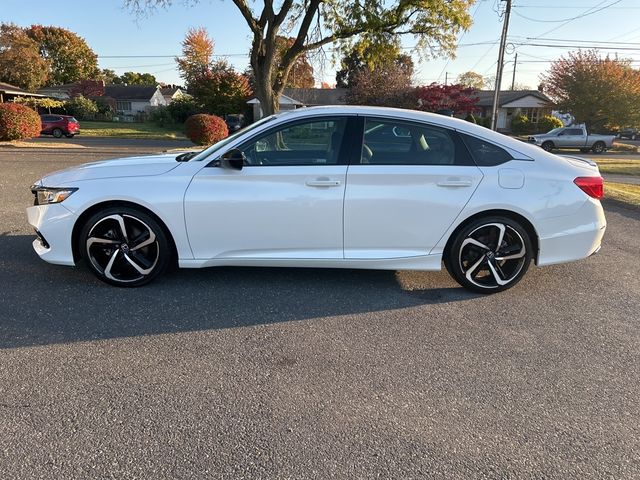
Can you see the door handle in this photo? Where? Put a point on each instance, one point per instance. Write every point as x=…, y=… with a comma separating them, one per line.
x=455, y=183
x=322, y=182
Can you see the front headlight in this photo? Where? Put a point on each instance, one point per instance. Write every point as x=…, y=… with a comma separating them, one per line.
x=46, y=195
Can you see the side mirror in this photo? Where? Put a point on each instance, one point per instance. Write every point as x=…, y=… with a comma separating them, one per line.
x=233, y=159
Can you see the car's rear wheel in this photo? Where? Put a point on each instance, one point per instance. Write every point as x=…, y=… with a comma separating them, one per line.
x=57, y=133
x=125, y=247
x=490, y=254
x=548, y=146
x=599, y=147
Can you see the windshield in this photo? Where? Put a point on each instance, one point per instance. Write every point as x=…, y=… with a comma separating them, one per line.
x=207, y=151
x=555, y=130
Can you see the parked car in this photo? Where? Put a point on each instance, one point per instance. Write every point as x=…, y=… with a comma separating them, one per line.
x=234, y=122
x=316, y=187
x=59, y=125
x=572, y=137
x=629, y=133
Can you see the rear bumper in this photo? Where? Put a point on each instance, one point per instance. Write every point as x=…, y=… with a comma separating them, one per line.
x=53, y=224
x=577, y=236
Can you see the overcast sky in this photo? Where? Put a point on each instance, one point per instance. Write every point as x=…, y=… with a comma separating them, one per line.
x=113, y=31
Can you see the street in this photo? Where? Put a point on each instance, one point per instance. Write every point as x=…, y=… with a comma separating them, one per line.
x=302, y=373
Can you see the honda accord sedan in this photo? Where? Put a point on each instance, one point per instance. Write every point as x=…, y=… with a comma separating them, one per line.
x=336, y=187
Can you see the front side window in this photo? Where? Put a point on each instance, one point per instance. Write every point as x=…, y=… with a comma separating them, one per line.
x=394, y=142
x=308, y=142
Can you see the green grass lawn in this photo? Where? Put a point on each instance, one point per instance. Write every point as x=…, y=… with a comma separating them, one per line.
x=619, y=166
x=130, y=130
x=623, y=193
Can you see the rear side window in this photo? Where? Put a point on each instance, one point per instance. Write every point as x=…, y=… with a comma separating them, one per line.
x=485, y=154
x=395, y=142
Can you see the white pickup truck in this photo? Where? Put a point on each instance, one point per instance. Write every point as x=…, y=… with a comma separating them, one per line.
x=572, y=137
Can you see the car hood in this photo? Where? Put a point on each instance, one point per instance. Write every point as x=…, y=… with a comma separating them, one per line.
x=118, y=168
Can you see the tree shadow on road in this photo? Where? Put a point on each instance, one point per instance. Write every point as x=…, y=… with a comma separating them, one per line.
x=44, y=304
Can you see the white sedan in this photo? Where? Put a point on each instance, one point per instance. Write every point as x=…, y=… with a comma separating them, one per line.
x=336, y=187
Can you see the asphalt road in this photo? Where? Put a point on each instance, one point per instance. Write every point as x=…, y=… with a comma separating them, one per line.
x=300, y=373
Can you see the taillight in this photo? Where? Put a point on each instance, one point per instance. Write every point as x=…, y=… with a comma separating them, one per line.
x=592, y=186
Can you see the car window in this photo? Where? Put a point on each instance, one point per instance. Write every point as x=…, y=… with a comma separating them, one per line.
x=484, y=153
x=45, y=118
x=307, y=142
x=573, y=131
x=394, y=142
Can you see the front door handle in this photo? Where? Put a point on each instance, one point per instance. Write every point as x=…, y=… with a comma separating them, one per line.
x=323, y=182
x=455, y=183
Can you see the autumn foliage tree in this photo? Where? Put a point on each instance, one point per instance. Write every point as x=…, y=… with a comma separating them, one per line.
x=18, y=122
x=458, y=98
x=471, y=79
x=434, y=24
x=69, y=56
x=595, y=90
x=20, y=61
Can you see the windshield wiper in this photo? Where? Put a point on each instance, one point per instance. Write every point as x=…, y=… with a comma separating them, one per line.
x=185, y=157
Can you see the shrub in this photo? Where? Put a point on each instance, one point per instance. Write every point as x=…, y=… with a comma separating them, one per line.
x=548, y=123
x=470, y=118
x=160, y=116
x=205, y=129
x=520, y=125
x=81, y=107
x=182, y=108
x=486, y=122
x=18, y=122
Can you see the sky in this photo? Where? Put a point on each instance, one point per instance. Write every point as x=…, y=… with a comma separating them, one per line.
x=124, y=42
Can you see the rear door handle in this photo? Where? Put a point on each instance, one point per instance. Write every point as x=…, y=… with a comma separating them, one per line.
x=323, y=182
x=455, y=183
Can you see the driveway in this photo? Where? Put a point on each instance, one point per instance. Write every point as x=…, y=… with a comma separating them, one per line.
x=300, y=373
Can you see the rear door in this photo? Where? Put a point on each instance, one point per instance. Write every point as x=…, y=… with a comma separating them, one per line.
x=404, y=193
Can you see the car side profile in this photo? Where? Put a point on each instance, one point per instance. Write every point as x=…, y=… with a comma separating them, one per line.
x=336, y=187
x=59, y=125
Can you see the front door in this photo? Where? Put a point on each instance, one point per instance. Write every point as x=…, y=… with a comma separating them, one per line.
x=286, y=202
x=412, y=182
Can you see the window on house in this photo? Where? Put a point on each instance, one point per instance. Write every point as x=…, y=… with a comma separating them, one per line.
x=123, y=106
x=533, y=114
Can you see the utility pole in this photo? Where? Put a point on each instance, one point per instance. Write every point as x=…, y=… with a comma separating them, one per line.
x=503, y=44
x=446, y=77
x=513, y=80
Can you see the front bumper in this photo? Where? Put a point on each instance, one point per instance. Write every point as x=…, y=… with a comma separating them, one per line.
x=54, y=225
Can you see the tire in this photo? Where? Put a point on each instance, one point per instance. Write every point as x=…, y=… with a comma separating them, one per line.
x=477, y=263
x=599, y=147
x=125, y=247
x=69, y=135
x=57, y=133
x=548, y=146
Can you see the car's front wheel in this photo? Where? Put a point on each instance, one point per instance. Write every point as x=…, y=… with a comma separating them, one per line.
x=548, y=146
x=490, y=254
x=125, y=247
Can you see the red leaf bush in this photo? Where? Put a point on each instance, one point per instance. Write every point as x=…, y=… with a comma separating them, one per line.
x=18, y=122
x=205, y=129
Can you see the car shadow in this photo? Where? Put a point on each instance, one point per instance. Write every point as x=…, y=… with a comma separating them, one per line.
x=46, y=304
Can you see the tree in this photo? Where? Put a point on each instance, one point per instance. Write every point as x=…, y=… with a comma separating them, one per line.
x=135, y=78
x=596, y=91
x=471, y=79
x=81, y=107
x=221, y=90
x=434, y=23
x=365, y=57
x=109, y=77
x=434, y=97
x=197, y=52
x=301, y=75
x=36, y=103
x=20, y=61
x=70, y=58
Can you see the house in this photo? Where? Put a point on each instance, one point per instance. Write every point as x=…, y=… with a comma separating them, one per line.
x=131, y=100
x=534, y=104
x=293, y=98
x=8, y=92
x=171, y=93
x=59, y=92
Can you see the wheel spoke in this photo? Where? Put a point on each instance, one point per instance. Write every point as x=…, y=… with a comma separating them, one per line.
x=474, y=267
x=473, y=241
x=107, y=269
x=520, y=254
x=102, y=241
x=141, y=271
x=123, y=228
x=494, y=271
x=502, y=229
x=148, y=241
